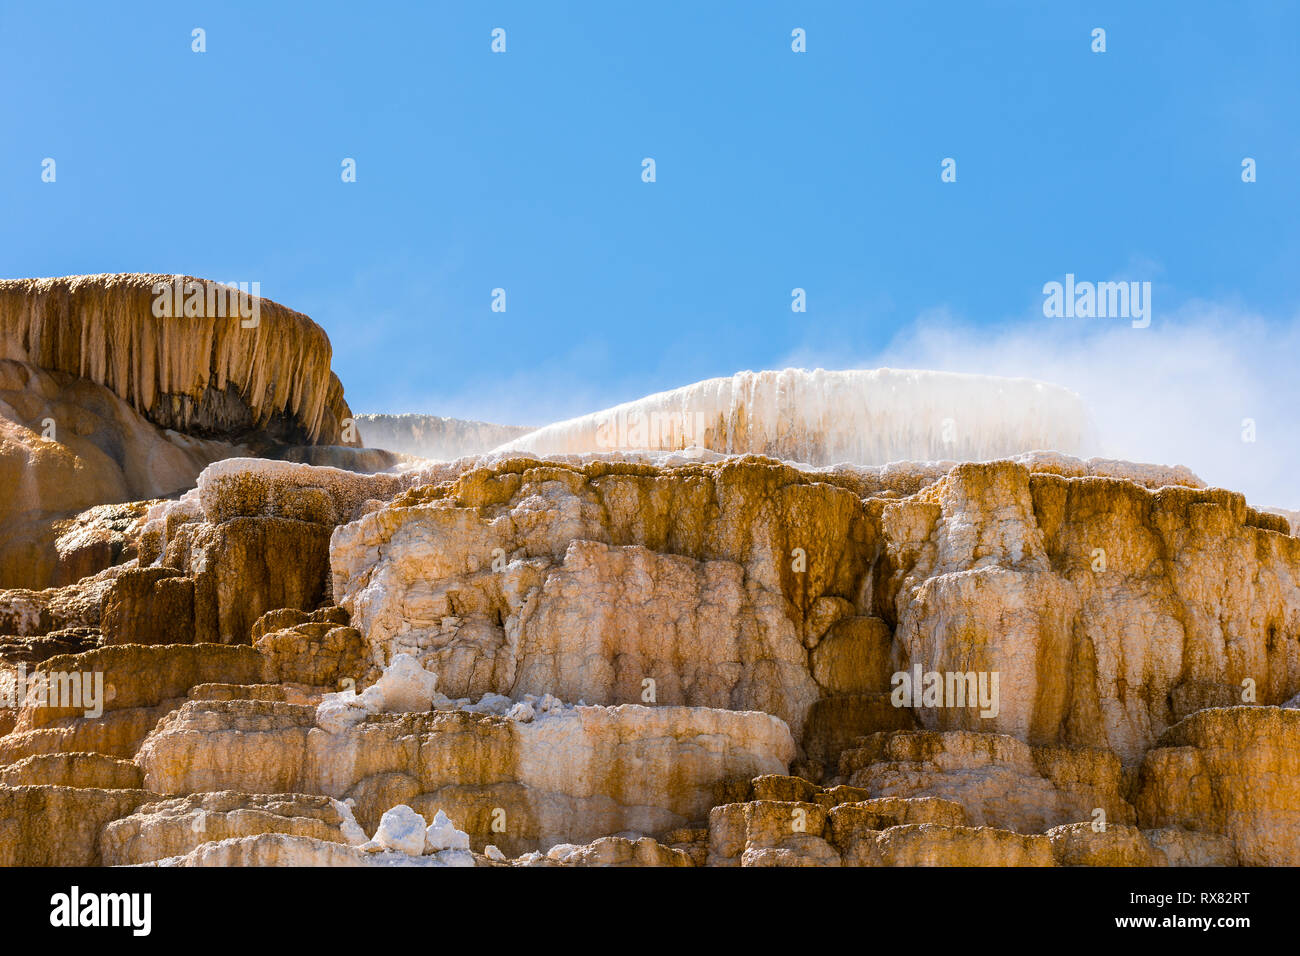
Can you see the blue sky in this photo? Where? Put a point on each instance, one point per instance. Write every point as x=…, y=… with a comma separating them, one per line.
x=774, y=170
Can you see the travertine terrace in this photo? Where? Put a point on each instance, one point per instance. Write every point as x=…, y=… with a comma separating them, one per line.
x=772, y=642
x=826, y=417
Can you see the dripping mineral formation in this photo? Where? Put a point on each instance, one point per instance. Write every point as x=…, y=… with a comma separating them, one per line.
x=104, y=402
x=670, y=634
x=822, y=418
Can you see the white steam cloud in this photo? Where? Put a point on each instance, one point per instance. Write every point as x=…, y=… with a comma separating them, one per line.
x=1187, y=390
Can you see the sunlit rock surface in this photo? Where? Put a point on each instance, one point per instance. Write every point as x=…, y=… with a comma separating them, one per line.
x=70, y=446
x=230, y=637
x=203, y=368
x=587, y=773
x=724, y=622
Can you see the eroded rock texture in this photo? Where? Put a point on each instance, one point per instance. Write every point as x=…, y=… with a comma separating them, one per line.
x=671, y=656
x=591, y=772
x=732, y=633
x=114, y=393
x=73, y=459
x=194, y=364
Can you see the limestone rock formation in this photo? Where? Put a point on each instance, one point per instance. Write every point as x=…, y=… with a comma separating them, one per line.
x=51, y=825
x=175, y=827
x=68, y=448
x=1101, y=604
x=549, y=781
x=115, y=389
x=315, y=648
x=531, y=577
x=751, y=584
x=192, y=362
x=998, y=780
x=227, y=541
x=668, y=651
x=1231, y=771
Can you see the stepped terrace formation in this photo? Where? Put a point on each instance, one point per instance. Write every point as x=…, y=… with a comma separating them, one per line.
x=797, y=618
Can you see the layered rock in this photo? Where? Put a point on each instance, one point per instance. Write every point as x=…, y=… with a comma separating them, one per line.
x=196, y=365
x=783, y=833
x=27, y=613
x=1105, y=608
x=252, y=537
x=173, y=828
x=750, y=584
x=98, y=538
x=520, y=786
x=735, y=632
x=116, y=389
x=590, y=582
x=612, y=583
x=59, y=826
x=318, y=649
x=999, y=780
x=69, y=448
x=285, y=849
x=135, y=685
x=1230, y=771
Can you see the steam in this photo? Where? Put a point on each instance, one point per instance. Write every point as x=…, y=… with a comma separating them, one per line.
x=1178, y=392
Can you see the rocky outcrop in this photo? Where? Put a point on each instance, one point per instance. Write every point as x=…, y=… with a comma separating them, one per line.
x=785, y=833
x=193, y=362
x=171, y=828
x=59, y=826
x=98, y=538
x=614, y=851
x=73, y=456
x=285, y=849
x=739, y=640
x=1231, y=771
x=1000, y=781
x=612, y=583
x=1104, y=607
x=116, y=389
x=25, y=613
x=134, y=686
x=318, y=649
x=751, y=584
x=520, y=786
x=252, y=537
x=260, y=488
x=95, y=771
x=148, y=606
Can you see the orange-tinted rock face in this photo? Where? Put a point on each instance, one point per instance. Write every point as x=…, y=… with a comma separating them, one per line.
x=78, y=466
x=192, y=363
x=725, y=624
x=1105, y=610
x=1233, y=772
x=611, y=660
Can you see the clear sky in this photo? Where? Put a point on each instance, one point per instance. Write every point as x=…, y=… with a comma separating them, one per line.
x=523, y=170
